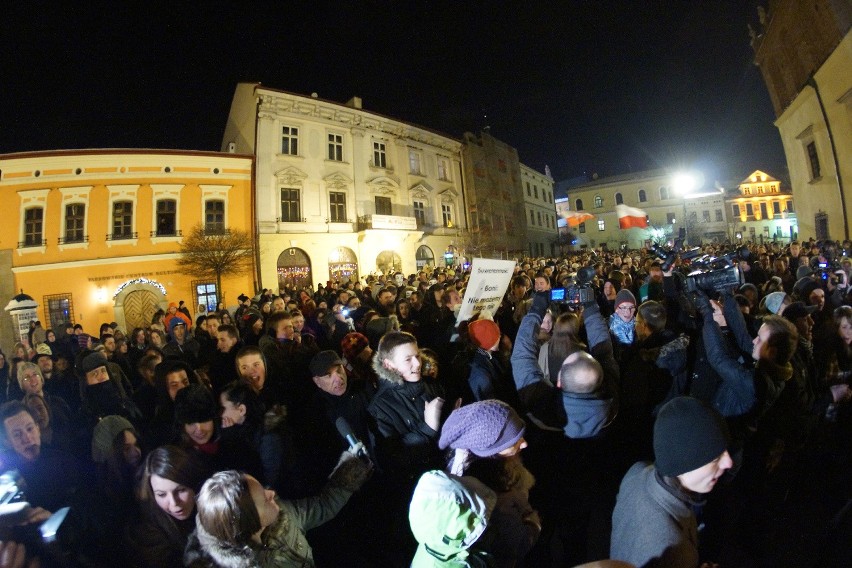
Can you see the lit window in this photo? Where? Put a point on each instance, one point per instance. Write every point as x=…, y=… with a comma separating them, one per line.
x=60, y=309
x=447, y=213
x=601, y=225
x=414, y=162
x=598, y=201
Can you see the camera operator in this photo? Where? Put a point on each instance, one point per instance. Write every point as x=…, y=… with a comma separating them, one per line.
x=583, y=402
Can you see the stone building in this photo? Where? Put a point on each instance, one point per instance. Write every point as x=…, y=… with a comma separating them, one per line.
x=540, y=213
x=93, y=235
x=804, y=51
x=342, y=192
x=494, y=198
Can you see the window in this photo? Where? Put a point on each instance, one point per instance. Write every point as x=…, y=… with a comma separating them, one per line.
x=766, y=232
x=749, y=210
x=75, y=220
x=205, y=294
x=414, y=162
x=670, y=219
x=821, y=226
x=619, y=199
x=290, y=140
x=33, y=236
x=60, y=309
x=598, y=201
x=539, y=218
x=337, y=207
x=383, y=206
x=601, y=225
x=290, y=205
x=747, y=191
x=579, y=205
x=380, y=157
x=813, y=158
x=443, y=169
x=122, y=220
x=166, y=217
x=420, y=213
x=582, y=227
x=760, y=189
x=535, y=192
x=447, y=214
x=705, y=216
x=735, y=210
x=214, y=216
x=776, y=207
x=335, y=147
x=664, y=193
x=763, y=213
x=532, y=216
x=529, y=194
x=789, y=205
x=642, y=197
x=718, y=215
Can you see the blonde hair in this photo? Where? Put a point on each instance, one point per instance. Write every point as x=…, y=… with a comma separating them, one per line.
x=226, y=510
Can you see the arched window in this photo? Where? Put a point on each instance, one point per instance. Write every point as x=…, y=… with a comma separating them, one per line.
x=664, y=193
x=619, y=200
x=642, y=197
x=579, y=205
x=598, y=201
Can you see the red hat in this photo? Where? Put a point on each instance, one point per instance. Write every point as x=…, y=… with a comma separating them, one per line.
x=352, y=345
x=484, y=333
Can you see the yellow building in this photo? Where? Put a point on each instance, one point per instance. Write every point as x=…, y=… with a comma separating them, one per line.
x=341, y=191
x=804, y=51
x=761, y=210
x=93, y=236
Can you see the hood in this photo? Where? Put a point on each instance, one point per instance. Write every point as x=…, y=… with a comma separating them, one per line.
x=202, y=545
x=587, y=415
x=386, y=374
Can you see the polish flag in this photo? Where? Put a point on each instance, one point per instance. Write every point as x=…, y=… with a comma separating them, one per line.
x=630, y=217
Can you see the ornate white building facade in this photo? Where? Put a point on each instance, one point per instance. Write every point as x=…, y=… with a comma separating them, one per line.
x=342, y=192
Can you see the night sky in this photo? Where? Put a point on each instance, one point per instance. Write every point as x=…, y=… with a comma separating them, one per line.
x=584, y=87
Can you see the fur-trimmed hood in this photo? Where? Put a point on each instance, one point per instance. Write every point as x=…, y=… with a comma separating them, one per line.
x=386, y=374
x=205, y=550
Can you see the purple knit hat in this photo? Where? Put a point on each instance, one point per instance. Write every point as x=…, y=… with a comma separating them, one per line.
x=483, y=428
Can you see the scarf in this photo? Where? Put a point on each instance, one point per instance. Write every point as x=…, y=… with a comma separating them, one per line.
x=624, y=331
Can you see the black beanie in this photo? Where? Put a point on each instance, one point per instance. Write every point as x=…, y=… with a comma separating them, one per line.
x=688, y=435
x=194, y=404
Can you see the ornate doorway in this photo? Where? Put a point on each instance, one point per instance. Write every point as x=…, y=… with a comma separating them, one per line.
x=342, y=265
x=136, y=301
x=388, y=262
x=294, y=269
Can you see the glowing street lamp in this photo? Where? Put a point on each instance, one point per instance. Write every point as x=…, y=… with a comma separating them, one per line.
x=685, y=183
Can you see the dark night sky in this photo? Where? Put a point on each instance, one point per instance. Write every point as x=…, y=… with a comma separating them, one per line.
x=592, y=86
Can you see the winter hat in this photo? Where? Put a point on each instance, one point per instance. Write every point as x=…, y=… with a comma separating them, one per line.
x=195, y=404
x=798, y=310
x=174, y=322
x=772, y=302
x=748, y=286
x=483, y=428
x=250, y=319
x=92, y=361
x=688, y=435
x=43, y=349
x=323, y=361
x=352, y=345
x=447, y=515
x=484, y=333
x=173, y=305
x=104, y=435
x=624, y=295
x=804, y=287
x=803, y=271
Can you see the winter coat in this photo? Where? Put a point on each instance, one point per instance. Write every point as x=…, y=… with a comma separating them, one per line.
x=406, y=445
x=653, y=524
x=578, y=415
x=283, y=542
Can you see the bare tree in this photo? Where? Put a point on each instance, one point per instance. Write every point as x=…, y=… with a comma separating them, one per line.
x=216, y=253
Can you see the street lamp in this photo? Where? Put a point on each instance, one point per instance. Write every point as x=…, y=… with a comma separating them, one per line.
x=685, y=183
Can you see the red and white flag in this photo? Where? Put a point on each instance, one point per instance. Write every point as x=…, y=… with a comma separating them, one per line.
x=630, y=217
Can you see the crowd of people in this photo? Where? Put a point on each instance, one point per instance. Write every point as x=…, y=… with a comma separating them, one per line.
x=662, y=419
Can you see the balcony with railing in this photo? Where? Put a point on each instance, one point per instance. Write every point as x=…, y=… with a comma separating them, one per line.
x=75, y=239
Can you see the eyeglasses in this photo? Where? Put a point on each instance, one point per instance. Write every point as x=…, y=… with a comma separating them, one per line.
x=31, y=377
x=624, y=308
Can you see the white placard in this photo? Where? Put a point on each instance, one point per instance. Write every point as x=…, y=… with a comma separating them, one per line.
x=489, y=280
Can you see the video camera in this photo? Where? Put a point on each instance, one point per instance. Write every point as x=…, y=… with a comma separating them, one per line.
x=827, y=270
x=576, y=294
x=711, y=274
